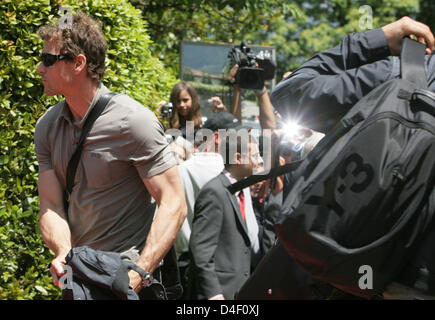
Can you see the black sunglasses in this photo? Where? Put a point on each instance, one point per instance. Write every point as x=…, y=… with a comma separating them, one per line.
x=49, y=59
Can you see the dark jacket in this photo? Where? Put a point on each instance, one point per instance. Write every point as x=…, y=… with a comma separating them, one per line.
x=219, y=243
x=326, y=86
x=100, y=275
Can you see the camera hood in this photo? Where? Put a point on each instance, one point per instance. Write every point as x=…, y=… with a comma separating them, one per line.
x=268, y=66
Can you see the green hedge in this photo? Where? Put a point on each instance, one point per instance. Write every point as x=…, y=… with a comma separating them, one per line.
x=24, y=258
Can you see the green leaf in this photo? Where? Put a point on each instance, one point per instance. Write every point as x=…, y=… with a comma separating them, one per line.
x=42, y=290
x=23, y=255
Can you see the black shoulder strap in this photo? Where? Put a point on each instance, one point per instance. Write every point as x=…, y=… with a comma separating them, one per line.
x=412, y=62
x=74, y=161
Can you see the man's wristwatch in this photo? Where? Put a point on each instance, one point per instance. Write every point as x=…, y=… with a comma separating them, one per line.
x=147, y=280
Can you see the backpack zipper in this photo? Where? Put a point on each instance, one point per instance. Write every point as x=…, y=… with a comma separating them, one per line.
x=402, y=120
x=424, y=93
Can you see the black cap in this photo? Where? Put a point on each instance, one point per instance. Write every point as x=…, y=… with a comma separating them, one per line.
x=222, y=120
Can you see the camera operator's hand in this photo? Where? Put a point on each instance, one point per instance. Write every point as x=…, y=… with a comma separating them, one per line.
x=160, y=106
x=217, y=105
x=396, y=31
x=232, y=73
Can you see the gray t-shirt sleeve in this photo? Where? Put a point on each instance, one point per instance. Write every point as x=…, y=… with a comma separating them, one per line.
x=151, y=154
x=42, y=148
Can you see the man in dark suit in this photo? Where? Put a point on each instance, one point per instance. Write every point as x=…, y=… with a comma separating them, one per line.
x=224, y=243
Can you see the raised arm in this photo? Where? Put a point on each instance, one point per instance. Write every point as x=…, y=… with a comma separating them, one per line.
x=324, y=88
x=327, y=85
x=267, y=117
x=397, y=30
x=236, y=104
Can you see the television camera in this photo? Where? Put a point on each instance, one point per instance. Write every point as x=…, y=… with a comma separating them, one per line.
x=253, y=69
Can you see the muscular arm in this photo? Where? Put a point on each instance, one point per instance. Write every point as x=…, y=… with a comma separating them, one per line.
x=167, y=190
x=54, y=227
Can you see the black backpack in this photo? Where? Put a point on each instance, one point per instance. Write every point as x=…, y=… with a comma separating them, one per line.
x=363, y=199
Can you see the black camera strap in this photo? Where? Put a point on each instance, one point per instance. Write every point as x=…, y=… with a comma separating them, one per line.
x=274, y=172
x=74, y=161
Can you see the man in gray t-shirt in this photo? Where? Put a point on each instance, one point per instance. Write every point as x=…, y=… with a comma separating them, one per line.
x=125, y=161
